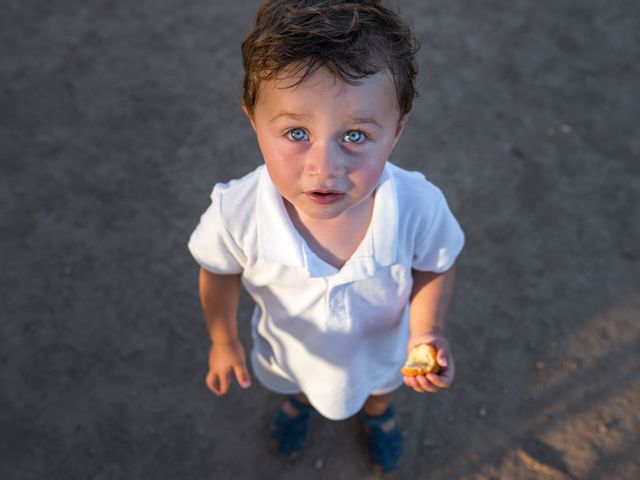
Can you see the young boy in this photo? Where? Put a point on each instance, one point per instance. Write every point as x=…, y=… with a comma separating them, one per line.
x=349, y=259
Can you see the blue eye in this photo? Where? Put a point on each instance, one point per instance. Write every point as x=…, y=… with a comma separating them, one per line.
x=297, y=135
x=354, y=136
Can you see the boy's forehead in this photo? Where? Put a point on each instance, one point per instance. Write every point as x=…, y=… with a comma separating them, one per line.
x=362, y=95
x=293, y=77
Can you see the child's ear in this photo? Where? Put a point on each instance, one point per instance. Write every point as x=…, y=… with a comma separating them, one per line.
x=401, y=123
x=249, y=116
x=399, y=129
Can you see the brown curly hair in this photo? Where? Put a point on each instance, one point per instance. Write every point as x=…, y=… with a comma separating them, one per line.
x=350, y=38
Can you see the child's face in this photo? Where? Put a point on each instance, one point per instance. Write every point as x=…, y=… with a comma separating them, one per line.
x=325, y=142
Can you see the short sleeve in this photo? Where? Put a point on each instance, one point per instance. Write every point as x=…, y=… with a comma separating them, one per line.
x=438, y=246
x=211, y=243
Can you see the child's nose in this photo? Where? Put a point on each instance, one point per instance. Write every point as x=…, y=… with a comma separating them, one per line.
x=325, y=161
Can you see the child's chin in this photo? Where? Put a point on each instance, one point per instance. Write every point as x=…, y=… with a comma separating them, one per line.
x=324, y=212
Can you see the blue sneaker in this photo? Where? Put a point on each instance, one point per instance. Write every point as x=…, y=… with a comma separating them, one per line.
x=384, y=439
x=288, y=433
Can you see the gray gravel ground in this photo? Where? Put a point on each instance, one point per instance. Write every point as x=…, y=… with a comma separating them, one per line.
x=116, y=118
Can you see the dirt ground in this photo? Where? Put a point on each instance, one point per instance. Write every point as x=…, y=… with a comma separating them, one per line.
x=116, y=118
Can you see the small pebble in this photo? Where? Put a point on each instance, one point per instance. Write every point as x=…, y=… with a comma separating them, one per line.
x=482, y=412
x=319, y=464
x=566, y=129
x=571, y=365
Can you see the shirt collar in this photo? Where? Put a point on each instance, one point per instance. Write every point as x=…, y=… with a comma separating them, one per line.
x=279, y=241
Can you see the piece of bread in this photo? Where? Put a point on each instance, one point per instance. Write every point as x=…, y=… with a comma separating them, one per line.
x=421, y=361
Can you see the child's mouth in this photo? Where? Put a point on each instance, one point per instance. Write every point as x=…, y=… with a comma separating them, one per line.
x=325, y=197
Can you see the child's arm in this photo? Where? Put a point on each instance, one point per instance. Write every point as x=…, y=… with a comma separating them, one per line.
x=430, y=299
x=219, y=296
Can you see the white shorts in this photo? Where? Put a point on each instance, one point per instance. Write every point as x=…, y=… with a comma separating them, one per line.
x=272, y=377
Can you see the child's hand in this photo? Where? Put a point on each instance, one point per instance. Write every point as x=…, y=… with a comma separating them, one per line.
x=433, y=382
x=223, y=358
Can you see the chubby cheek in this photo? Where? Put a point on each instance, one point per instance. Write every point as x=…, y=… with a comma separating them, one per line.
x=272, y=150
x=282, y=174
x=281, y=162
x=365, y=173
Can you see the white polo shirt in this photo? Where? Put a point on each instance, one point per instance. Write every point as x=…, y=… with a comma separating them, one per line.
x=337, y=335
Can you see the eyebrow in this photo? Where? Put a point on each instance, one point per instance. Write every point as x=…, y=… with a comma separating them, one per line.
x=300, y=117
x=367, y=120
x=294, y=116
